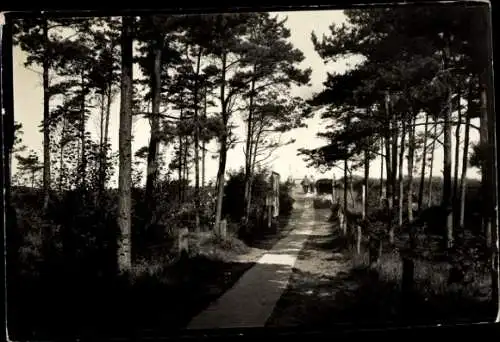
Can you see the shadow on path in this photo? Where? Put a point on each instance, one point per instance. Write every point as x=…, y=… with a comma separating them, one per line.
x=325, y=292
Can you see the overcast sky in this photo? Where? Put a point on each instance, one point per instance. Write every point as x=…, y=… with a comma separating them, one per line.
x=28, y=105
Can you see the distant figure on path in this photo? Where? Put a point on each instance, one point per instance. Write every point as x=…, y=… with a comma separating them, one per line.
x=312, y=185
x=305, y=184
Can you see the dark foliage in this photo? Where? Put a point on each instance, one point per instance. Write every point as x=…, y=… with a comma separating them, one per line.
x=233, y=204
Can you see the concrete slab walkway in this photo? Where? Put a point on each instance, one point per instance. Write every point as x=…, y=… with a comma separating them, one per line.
x=251, y=301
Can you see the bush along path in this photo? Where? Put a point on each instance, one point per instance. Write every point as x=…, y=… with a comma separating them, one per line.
x=251, y=301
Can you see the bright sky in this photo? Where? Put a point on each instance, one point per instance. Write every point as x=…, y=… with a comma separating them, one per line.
x=28, y=106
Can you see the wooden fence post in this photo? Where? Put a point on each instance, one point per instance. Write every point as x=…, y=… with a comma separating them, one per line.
x=222, y=230
x=334, y=195
x=269, y=207
x=183, y=241
x=342, y=221
x=359, y=236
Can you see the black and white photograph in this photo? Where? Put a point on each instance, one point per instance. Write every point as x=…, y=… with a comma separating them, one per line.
x=174, y=173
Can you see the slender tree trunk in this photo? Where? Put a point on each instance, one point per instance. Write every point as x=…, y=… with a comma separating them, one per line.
x=346, y=180
x=389, y=185
x=180, y=158
x=457, y=154
x=381, y=193
x=154, y=139
x=185, y=167
x=61, y=155
x=254, y=158
x=411, y=153
x=483, y=143
x=203, y=156
x=424, y=160
x=447, y=195
x=125, y=144
x=465, y=161
x=487, y=87
x=401, y=179
x=106, y=124
x=366, y=178
x=196, y=146
x=248, y=155
x=203, y=144
x=223, y=144
x=102, y=159
x=83, y=161
x=253, y=154
x=431, y=166
x=61, y=168
x=389, y=171
x=394, y=157
x=46, y=115
x=446, y=201
x=101, y=133
x=455, y=195
x=351, y=189
x=393, y=134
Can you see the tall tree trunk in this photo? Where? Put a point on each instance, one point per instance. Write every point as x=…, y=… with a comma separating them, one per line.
x=366, y=178
x=105, y=143
x=83, y=161
x=102, y=160
x=180, y=158
x=196, y=146
x=457, y=154
x=346, y=180
x=185, y=167
x=125, y=144
x=248, y=156
x=431, y=166
x=487, y=86
x=203, y=144
x=394, y=155
x=61, y=168
x=223, y=144
x=424, y=160
x=446, y=201
x=401, y=179
x=465, y=160
x=389, y=171
x=46, y=115
x=381, y=192
x=483, y=144
x=61, y=155
x=411, y=153
x=253, y=154
x=106, y=125
x=389, y=185
x=154, y=139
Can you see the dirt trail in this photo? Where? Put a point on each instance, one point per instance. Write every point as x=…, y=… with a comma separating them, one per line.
x=319, y=275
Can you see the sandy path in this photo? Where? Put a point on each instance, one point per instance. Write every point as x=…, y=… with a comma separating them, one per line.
x=251, y=301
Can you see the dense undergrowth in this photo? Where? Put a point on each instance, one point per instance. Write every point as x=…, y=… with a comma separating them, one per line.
x=448, y=284
x=63, y=261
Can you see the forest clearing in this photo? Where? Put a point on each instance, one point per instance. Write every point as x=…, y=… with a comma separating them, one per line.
x=133, y=212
